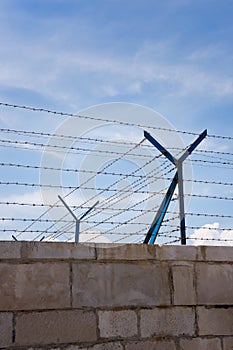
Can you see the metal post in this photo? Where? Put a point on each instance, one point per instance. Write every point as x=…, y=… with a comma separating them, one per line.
x=77, y=221
x=181, y=203
x=155, y=226
x=154, y=229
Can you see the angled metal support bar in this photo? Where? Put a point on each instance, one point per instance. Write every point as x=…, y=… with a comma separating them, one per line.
x=155, y=226
x=160, y=147
x=193, y=145
x=88, y=211
x=68, y=208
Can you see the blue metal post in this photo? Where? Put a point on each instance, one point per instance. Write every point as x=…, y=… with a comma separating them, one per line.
x=154, y=229
x=155, y=226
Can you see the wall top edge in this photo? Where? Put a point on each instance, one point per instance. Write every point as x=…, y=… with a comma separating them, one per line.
x=25, y=250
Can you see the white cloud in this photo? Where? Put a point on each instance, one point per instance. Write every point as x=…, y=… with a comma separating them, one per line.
x=210, y=234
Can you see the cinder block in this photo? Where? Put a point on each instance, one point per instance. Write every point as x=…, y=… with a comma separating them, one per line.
x=54, y=327
x=173, y=321
x=34, y=286
x=220, y=253
x=56, y=251
x=102, y=346
x=200, y=344
x=183, y=284
x=118, y=284
x=107, y=346
x=6, y=328
x=177, y=252
x=117, y=324
x=151, y=345
x=214, y=284
x=228, y=343
x=215, y=321
x=10, y=250
x=126, y=252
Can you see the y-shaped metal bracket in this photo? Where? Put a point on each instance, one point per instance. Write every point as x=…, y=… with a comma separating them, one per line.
x=178, y=178
x=77, y=221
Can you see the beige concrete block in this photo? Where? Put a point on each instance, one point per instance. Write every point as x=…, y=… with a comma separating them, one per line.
x=215, y=321
x=34, y=286
x=151, y=345
x=126, y=252
x=107, y=346
x=103, y=346
x=56, y=251
x=228, y=343
x=117, y=324
x=183, y=284
x=220, y=253
x=118, y=284
x=6, y=328
x=54, y=327
x=172, y=321
x=177, y=252
x=10, y=250
x=214, y=284
x=200, y=344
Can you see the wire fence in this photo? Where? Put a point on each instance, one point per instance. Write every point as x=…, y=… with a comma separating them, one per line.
x=130, y=184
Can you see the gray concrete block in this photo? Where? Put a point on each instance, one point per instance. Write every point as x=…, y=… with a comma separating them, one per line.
x=126, y=252
x=228, y=343
x=215, y=321
x=56, y=251
x=183, y=284
x=117, y=324
x=6, y=328
x=200, y=344
x=214, y=284
x=34, y=286
x=173, y=321
x=177, y=252
x=54, y=327
x=221, y=253
x=10, y=250
x=151, y=345
x=116, y=284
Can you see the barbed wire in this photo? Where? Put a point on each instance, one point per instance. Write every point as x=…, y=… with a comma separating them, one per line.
x=28, y=184
x=72, y=148
x=66, y=114
x=116, y=198
x=212, y=159
x=96, y=139
x=92, y=177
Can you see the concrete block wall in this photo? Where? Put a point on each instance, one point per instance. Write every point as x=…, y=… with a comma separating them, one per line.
x=115, y=297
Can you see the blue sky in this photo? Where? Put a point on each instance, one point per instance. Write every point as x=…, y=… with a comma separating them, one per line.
x=175, y=57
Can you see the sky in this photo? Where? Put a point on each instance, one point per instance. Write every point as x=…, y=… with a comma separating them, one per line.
x=174, y=57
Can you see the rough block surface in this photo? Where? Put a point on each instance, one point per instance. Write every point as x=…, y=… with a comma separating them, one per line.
x=117, y=284
x=215, y=321
x=117, y=324
x=214, y=284
x=173, y=321
x=200, y=344
x=54, y=327
x=183, y=284
x=6, y=328
x=151, y=345
x=34, y=286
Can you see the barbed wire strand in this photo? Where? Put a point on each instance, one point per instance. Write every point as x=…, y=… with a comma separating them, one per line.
x=66, y=114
